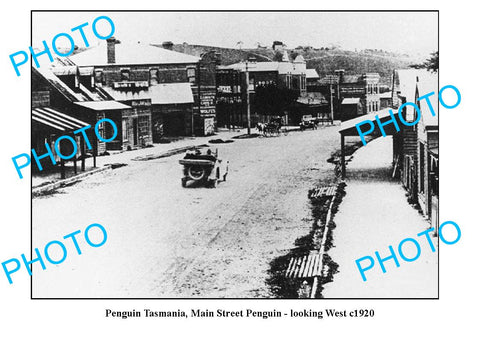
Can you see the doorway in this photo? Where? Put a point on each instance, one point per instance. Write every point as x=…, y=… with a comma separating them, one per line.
x=135, y=131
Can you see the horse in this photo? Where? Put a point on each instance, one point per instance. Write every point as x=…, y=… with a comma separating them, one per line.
x=261, y=127
x=272, y=128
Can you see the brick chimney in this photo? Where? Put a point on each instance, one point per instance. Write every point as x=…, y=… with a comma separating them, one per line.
x=111, y=50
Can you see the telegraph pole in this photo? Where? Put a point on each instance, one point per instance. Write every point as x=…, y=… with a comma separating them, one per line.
x=247, y=81
x=331, y=102
x=332, y=81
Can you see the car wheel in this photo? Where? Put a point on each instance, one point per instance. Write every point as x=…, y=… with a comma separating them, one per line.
x=196, y=172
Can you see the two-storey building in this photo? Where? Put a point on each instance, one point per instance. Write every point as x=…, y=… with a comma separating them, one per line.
x=232, y=85
x=170, y=93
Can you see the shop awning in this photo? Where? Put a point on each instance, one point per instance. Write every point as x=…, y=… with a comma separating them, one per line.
x=348, y=127
x=55, y=119
x=103, y=105
x=350, y=101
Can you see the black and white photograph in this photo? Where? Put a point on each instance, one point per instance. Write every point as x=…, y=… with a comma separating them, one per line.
x=223, y=170
x=235, y=154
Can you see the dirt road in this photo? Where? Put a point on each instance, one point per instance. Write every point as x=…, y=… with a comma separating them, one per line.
x=169, y=241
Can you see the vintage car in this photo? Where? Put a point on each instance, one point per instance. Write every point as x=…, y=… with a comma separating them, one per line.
x=203, y=169
x=308, y=122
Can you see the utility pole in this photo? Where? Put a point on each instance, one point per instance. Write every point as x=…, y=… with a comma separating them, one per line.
x=247, y=91
x=199, y=89
x=331, y=102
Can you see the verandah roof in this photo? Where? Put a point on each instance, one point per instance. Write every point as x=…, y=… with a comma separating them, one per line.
x=57, y=120
x=348, y=127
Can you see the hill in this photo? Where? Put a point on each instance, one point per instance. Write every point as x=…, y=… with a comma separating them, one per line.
x=227, y=55
x=324, y=60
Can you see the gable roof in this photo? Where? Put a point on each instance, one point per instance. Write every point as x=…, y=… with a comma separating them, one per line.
x=428, y=82
x=406, y=80
x=131, y=54
x=57, y=84
x=299, y=59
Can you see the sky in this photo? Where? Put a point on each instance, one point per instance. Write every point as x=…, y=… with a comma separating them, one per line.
x=414, y=33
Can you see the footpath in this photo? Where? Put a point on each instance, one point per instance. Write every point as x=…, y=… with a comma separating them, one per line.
x=373, y=215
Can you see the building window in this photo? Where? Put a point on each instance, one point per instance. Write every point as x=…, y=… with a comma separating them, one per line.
x=302, y=82
x=251, y=84
x=125, y=75
x=98, y=77
x=101, y=128
x=295, y=83
x=153, y=76
x=289, y=81
x=191, y=75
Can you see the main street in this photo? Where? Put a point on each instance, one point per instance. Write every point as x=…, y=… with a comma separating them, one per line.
x=169, y=241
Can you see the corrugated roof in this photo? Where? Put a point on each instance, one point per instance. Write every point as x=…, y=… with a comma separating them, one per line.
x=347, y=101
x=407, y=80
x=268, y=66
x=172, y=93
x=349, y=124
x=55, y=119
x=131, y=54
x=428, y=82
x=356, y=78
x=329, y=79
x=255, y=67
x=104, y=105
x=59, y=85
x=311, y=73
x=64, y=70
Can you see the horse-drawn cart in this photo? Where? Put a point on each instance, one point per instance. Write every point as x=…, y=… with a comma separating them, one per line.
x=205, y=169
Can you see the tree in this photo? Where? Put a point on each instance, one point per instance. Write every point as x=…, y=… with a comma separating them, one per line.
x=294, y=54
x=278, y=56
x=431, y=64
